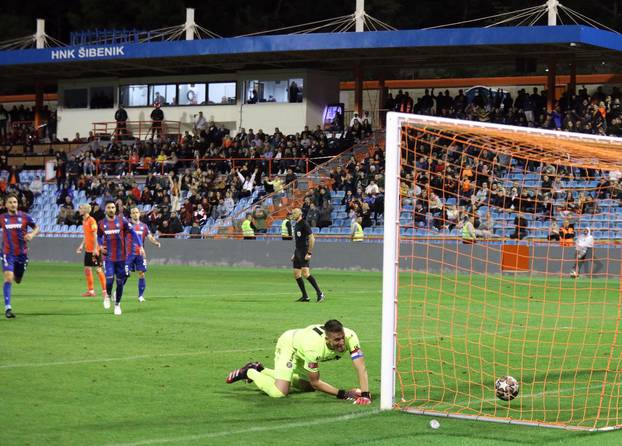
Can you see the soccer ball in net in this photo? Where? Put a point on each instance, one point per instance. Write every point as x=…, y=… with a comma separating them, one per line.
x=506, y=388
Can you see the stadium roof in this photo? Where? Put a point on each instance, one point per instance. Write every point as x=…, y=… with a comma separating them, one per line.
x=495, y=46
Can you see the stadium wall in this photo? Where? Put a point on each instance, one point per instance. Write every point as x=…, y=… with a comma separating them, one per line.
x=431, y=257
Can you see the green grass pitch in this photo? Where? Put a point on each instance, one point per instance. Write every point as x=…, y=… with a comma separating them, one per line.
x=72, y=374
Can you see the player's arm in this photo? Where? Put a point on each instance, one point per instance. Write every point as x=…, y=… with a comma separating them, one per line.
x=311, y=245
x=153, y=240
x=100, y=237
x=135, y=237
x=358, y=362
x=361, y=371
x=79, y=250
x=322, y=386
x=35, y=229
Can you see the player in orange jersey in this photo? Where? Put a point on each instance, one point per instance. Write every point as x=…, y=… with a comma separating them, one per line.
x=92, y=253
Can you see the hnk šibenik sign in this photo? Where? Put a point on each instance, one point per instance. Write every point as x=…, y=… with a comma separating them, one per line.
x=87, y=53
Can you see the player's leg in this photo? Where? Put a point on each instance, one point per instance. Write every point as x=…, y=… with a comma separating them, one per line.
x=306, y=273
x=580, y=262
x=109, y=272
x=121, y=272
x=298, y=263
x=276, y=383
x=19, y=268
x=301, y=285
x=7, y=266
x=102, y=280
x=90, y=289
x=140, y=265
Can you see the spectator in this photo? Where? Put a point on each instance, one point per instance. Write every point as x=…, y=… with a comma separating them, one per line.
x=195, y=230
x=259, y=217
x=313, y=215
x=357, y=234
x=566, y=234
x=554, y=234
x=325, y=219
x=157, y=118
x=120, y=117
x=520, y=227
x=200, y=126
x=468, y=230
x=248, y=228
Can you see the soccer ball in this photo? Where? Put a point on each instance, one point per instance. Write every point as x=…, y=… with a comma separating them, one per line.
x=506, y=388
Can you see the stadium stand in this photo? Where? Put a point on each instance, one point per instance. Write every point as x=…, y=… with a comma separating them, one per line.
x=198, y=182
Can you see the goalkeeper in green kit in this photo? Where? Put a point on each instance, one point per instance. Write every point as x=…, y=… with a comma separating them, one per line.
x=296, y=363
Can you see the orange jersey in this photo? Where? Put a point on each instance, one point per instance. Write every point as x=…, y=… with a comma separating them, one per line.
x=89, y=226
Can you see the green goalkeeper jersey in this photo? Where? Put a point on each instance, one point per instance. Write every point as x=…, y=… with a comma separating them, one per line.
x=309, y=345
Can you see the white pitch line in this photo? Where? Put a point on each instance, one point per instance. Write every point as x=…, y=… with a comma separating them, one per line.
x=220, y=295
x=129, y=358
x=251, y=430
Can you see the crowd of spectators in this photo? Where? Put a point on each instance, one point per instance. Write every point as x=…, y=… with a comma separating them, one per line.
x=17, y=126
x=596, y=113
x=211, y=171
x=447, y=183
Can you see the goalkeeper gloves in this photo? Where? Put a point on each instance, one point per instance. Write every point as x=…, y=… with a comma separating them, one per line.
x=363, y=400
x=349, y=395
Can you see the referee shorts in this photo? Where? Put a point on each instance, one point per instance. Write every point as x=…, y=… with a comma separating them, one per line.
x=92, y=260
x=299, y=260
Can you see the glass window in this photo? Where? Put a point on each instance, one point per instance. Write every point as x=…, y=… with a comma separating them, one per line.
x=191, y=94
x=76, y=98
x=266, y=91
x=101, y=97
x=133, y=95
x=222, y=93
x=163, y=94
x=295, y=90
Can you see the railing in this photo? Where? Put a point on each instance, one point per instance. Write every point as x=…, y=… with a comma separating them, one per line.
x=141, y=130
x=270, y=166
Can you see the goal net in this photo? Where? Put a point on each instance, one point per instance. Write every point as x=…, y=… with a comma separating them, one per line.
x=502, y=258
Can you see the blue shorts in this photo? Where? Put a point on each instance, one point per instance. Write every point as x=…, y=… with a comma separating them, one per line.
x=118, y=269
x=136, y=263
x=15, y=264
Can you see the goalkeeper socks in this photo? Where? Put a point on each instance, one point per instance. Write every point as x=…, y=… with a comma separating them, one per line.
x=109, y=283
x=7, y=295
x=141, y=286
x=89, y=279
x=301, y=285
x=313, y=282
x=265, y=383
x=120, y=283
x=102, y=279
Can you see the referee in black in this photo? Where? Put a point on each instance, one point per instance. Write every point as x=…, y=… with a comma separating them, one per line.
x=305, y=241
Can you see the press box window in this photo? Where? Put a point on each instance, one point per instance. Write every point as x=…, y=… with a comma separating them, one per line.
x=101, y=97
x=133, y=95
x=222, y=93
x=75, y=98
x=191, y=94
x=163, y=94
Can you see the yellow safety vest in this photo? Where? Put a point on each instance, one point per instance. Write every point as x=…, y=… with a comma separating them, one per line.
x=359, y=235
x=284, y=231
x=247, y=229
x=465, y=233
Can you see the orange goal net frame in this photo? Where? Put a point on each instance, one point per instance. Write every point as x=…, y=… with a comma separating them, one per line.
x=502, y=258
